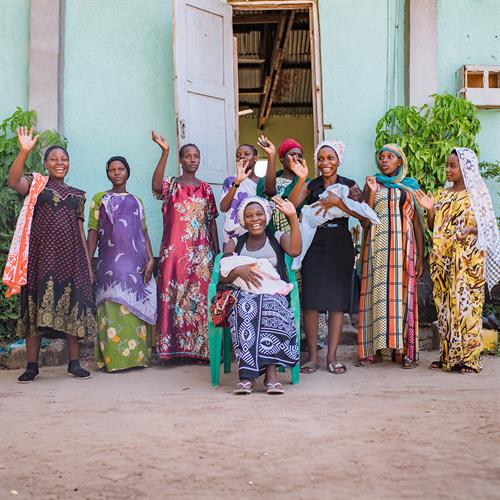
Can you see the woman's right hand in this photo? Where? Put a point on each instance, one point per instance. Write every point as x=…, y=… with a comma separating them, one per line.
x=371, y=182
x=241, y=173
x=299, y=168
x=270, y=150
x=160, y=140
x=248, y=275
x=425, y=200
x=26, y=140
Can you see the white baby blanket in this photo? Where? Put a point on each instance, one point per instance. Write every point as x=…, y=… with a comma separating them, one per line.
x=310, y=221
x=272, y=284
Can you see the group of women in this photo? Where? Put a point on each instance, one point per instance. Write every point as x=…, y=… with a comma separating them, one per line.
x=50, y=261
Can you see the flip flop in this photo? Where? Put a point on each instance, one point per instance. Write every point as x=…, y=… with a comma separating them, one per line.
x=337, y=368
x=276, y=388
x=244, y=387
x=408, y=363
x=309, y=367
x=361, y=363
x=436, y=365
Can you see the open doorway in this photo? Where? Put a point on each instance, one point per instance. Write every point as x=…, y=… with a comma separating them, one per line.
x=276, y=48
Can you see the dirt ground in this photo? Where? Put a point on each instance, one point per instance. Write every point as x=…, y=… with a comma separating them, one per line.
x=374, y=432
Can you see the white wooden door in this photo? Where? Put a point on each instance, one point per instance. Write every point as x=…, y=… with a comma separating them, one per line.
x=203, y=76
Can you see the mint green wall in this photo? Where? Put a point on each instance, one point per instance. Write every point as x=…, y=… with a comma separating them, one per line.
x=118, y=74
x=14, y=55
x=469, y=33
x=362, y=60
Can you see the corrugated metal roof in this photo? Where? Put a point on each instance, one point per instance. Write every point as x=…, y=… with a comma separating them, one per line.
x=294, y=93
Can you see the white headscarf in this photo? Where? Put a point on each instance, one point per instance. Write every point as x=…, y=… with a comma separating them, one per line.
x=488, y=238
x=337, y=146
x=254, y=199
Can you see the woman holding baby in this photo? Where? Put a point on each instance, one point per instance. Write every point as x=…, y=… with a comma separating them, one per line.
x=262, y=324
x=328, y=264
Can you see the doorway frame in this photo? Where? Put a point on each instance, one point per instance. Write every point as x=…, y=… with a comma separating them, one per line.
x=314, y=38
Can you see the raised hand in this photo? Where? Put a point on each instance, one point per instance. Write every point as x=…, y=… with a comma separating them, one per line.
x=268, y=147
x=284, y=206
x=371, y=182
x=26, y=140
x=160, y=140
x=299, y=168
x=427, y=201
x=241, y=171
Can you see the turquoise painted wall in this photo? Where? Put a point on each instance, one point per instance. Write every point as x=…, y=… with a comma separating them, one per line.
x=362, y=58
x=118, y=76
x=14, y=55
x=469, y=33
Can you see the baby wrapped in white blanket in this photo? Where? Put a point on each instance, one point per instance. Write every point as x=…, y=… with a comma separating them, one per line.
x=271, y=284
x=310, y=221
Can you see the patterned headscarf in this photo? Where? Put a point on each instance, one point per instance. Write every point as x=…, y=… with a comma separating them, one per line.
x=399, y=180
x=337, y=146
x=488, y=238
x=287, y=145
x=254, y=199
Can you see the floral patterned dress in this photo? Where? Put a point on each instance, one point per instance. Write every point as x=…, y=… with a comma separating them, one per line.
x=457, y=270
x=232, y=226
x=186, y=260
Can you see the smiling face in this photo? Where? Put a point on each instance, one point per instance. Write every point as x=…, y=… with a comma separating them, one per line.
x=254, y=219
x=293, y=153
x=190, y=159
x=453, y=170
x=57, y=164
x=327, y=161
x=388, y=163
x=117, y=173
x=247, y=154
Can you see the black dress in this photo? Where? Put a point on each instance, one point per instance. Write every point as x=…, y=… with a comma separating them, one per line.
x=327, y=268
x=58, y=296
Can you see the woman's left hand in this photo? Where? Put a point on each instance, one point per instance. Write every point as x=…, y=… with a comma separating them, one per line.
x=147, y=270
x=461, y=235
x=284, y=206
x=419, y=268
x=325, y=204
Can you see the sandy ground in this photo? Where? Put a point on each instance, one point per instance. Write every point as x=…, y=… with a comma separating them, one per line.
x=375, y=432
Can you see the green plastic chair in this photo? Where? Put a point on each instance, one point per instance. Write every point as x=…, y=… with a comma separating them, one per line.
x=216, y=334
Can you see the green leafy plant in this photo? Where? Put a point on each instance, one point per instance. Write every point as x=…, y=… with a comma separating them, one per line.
x=11, y=202
x=428, y=134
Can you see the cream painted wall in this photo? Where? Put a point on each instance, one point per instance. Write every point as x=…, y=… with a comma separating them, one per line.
x=279, y=128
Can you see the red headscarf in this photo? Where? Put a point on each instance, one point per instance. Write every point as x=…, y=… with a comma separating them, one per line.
x=287, y=145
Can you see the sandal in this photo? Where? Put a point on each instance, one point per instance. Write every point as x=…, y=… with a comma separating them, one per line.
x=362, y=362
x=244, y=387
x=436, y=365
x=465, y=369
x=276, y=388
x=309, y=367
x=337, y=368
x=408, y=363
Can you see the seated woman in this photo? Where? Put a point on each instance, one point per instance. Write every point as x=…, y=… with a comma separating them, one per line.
x=262, y=325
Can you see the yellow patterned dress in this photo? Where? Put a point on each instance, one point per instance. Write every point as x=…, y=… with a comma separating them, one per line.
x=457, y=270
